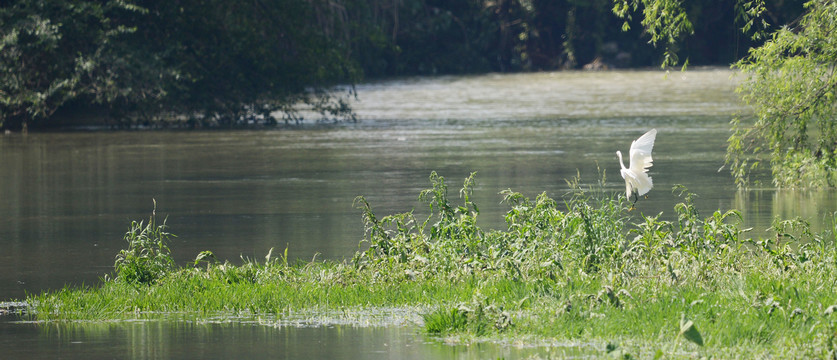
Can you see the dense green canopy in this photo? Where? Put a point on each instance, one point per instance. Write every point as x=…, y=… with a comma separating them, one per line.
x=212, y=60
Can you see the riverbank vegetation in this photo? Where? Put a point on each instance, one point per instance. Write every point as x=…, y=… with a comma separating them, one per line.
x=790, y=83
x=584, y=269
x=193, y=63
x=215, y=64
x=788, y=80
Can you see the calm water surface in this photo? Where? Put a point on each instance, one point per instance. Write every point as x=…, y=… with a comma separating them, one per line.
x=66, y=199
x=185, y=339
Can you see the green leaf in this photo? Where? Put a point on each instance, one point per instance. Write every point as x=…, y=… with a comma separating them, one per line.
x=689, y=331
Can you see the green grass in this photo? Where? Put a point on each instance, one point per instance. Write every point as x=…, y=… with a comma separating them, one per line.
x=571, y=271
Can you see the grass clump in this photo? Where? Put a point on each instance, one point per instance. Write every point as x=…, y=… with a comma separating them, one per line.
x=147, y=257
x=578, y=270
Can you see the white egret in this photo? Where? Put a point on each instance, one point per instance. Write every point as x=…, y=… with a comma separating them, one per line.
x=635, y=175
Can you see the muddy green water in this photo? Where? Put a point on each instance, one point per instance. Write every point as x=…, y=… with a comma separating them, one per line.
x=66, y=199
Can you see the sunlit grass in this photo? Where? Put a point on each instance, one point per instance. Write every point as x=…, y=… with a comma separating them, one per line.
x=573, y=270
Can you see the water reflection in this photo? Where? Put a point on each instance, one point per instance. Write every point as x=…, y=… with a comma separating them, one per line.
x=760, y=207
x=183, y=339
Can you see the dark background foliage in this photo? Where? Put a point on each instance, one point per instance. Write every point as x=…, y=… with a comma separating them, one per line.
x=237, y=63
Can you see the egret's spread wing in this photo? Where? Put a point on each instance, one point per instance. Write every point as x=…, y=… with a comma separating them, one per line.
x=641, y=160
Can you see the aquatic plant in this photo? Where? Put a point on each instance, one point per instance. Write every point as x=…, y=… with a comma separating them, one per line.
x=147, y=257
x=583, y=269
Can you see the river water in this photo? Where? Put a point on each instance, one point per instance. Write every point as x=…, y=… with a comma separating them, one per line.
x=66, y=199
x=185, y=339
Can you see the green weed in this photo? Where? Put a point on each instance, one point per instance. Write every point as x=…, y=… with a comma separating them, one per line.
x=574, y=270
x=147, y=257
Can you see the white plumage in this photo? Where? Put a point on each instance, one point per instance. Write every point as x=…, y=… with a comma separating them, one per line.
x=635, y=175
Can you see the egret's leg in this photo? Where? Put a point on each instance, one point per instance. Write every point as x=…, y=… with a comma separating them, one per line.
x=633, y=202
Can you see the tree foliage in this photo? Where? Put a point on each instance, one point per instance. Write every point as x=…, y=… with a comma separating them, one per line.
x=664, y=20
x=427, y=37
x=222, y=63
x=212, y=60
x=790, y=83
x=54, y=51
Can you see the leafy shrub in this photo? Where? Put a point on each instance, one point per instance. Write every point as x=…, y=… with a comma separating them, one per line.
x=790, y=84
x=540, y=236
x=589, y=231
